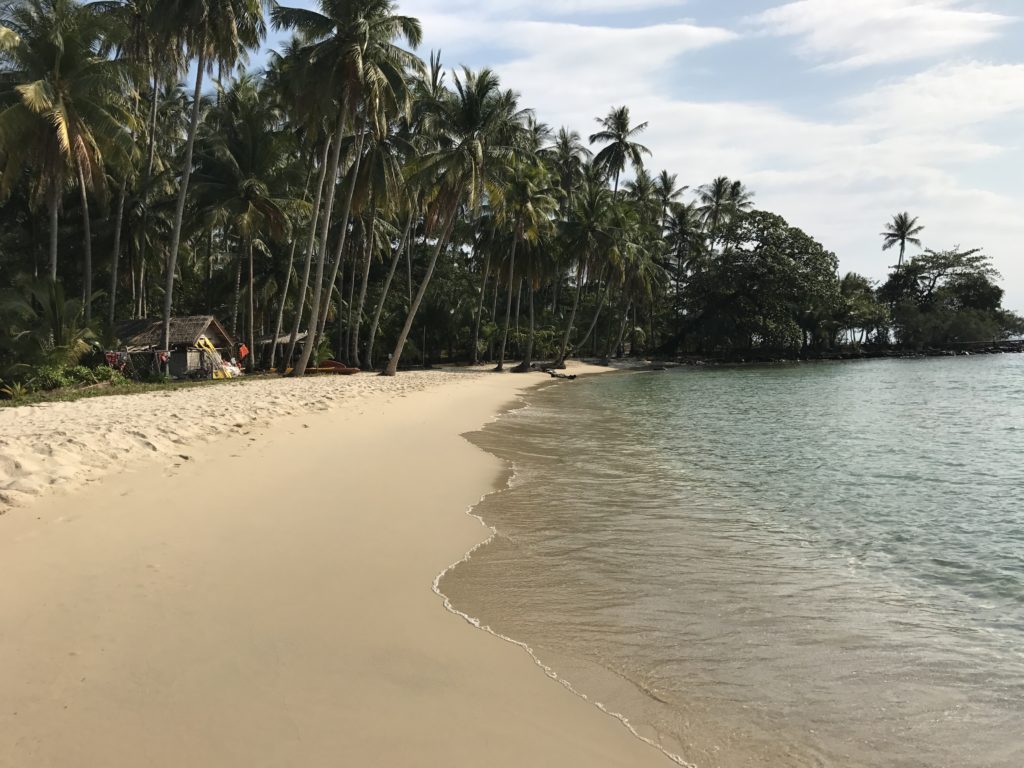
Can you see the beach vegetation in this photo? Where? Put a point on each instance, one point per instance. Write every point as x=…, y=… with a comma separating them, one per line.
x=347, y=198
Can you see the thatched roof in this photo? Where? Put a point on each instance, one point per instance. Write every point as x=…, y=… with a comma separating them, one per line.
x=185, y=332
x=284, y=338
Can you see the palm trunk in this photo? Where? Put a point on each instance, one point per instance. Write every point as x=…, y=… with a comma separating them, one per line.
x=508, y=303
x=116, y=256
x=344, y=228
x=442, y=241
x=325, y=225
x=179, y=213
x=54, y=207
x=87, y=249
x=300, y=306
x=572, y=319
x=287, y=282
x=384, y=294
x=597, y=314
x=357, y=319
x=238, y=294
x=527, y=362
x=280, y=307
x=616, y=350
x=480, y=308
x=252, y=306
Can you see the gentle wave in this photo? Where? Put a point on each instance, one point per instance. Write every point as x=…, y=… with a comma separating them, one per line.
x=772, y=564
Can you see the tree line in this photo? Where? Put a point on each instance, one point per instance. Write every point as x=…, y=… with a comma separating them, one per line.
x=386, y=206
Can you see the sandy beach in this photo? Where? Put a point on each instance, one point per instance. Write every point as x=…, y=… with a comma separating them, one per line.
x=267, y=600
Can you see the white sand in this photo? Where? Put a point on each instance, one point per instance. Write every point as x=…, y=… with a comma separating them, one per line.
x=267, y=602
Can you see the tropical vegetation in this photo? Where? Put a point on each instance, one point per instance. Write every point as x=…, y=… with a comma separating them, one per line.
x=349, y=199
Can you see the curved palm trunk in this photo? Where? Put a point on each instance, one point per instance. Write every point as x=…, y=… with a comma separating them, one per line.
x=508, y=305
x=325, y=225
x=614, y=342
x=179, y=213
x=116, y=255
x=560, y=362
x=346, y=212
x=527, y=362
x=384, y=293
x=357, y=319
x=442, y=242
x=300, y=307
x=597, y=314
x=87, y=249
x=280, y=308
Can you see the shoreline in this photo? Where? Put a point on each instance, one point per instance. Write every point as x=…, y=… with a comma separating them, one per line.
x=475, y=622
x=195, y=616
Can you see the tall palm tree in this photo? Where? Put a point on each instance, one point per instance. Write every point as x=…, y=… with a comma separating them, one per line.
x=901, y=230
x=213, y=33
x=590, y=233
x=350, y=51
x=472, y=133
x=526, y=205
x=668, y=193
x=618, y=134
x=65, y=111
x=242, y=173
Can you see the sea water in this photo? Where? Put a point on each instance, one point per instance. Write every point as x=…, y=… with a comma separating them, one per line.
x=794, y=565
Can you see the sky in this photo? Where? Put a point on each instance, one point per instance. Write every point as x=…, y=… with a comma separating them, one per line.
x=837, y=113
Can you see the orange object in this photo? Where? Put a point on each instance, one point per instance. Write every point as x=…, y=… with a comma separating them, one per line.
x=243, y=352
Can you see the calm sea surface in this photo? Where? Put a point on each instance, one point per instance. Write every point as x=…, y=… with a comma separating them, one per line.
x=806, y=565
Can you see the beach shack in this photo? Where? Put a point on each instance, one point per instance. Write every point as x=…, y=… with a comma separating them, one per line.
x=197, y=343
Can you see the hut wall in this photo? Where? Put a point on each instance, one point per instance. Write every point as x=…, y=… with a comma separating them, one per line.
x=185, y=362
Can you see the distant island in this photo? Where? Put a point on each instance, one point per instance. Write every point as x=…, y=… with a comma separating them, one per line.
x=351, y=202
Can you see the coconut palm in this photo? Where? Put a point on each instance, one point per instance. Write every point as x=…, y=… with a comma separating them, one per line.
x=668, y=193
x=472, y=133
x=901, y=230
x=242, y=173
x=618, y=134
x=720, y=201
x=213, y=33
x=590, y=233
x=526, y=203
x=64, y=114
x=350, y=52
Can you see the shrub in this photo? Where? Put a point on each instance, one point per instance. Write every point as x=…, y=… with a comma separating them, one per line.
x=47, y=377
x=111, y=375
x=79, y=374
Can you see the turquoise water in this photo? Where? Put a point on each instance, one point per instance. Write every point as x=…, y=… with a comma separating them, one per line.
x=797, y=565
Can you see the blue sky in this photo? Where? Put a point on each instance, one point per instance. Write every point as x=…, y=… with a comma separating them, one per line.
x=837, y=113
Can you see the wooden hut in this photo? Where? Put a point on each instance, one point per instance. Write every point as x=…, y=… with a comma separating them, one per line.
x=187, y=358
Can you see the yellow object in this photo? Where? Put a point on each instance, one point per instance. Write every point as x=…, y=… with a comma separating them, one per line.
x=219, y=371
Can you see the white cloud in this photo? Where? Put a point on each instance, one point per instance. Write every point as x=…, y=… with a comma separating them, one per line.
x=850, y=34
x=906, y=144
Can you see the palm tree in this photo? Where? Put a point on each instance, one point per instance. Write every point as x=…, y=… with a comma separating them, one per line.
x=526, y=204
x=590, y=233
x=721, y=201
x=567, y=158
x=241, y=173
x=901, y=230
x=472, y=133
x=350, y=52
x=621, y=150
x=668, y=193
x=66, y=113
x=213, y=32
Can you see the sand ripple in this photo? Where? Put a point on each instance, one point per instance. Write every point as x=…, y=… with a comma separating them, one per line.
x=64, y=445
